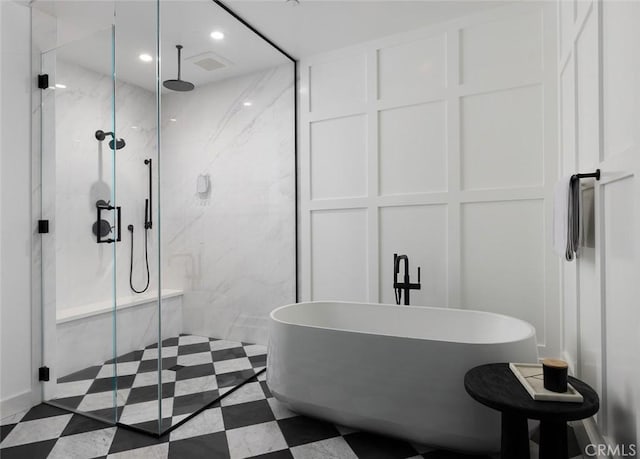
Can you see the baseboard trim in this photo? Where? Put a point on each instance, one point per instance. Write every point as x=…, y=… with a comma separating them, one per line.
x=19, y=403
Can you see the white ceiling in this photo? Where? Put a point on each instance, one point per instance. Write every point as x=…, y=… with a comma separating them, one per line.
x=84, y=38
x=316, y=26
x=83, y=33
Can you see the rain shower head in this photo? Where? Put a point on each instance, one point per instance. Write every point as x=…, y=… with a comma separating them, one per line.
x=119, y=143
x=178, y=84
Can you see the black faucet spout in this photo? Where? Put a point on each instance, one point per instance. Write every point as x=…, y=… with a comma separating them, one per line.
x=397, y=259
x=406, y=286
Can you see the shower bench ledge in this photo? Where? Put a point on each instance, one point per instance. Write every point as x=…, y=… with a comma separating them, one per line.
x=105, y=307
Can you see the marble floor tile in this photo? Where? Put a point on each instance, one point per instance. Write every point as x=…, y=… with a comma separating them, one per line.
x=150, y=378
x=210, y=445
x=146, y=411
x=255, y=439
x=125, y=368
x=249, y=392
x=255, y=349
x=13, y=419
x=220, y=344
x=188, y=370
x=195, y=359
x=149, y=452
x=331, y=448
x=193, y=385
x=193, y=339
x=103, y=400
x=207, y=422
x=250, y=423
x=72, y=389
x=36, y=430
x=228, y=366
x=86, y=445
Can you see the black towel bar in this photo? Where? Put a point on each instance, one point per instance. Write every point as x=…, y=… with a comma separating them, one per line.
x=595, y=175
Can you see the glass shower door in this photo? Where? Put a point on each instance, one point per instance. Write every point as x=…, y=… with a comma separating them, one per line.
x=172, y=222
x=79, y=145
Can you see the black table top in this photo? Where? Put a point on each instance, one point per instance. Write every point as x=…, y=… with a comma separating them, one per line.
x=495, y=386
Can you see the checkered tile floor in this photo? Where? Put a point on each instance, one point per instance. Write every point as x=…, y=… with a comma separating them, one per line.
x=196, y=371
x=248, y=423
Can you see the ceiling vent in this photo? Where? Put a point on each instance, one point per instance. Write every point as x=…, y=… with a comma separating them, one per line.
x=209, y=64
x=208, y=61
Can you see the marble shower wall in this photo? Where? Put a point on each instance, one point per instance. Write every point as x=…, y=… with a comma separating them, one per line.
x=232, y=249
x=84, y=173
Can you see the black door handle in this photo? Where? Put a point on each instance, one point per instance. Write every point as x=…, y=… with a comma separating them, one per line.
x=100, y=206
x=118, y=215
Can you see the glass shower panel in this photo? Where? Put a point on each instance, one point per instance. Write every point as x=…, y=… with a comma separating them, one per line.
x=137, y=273
x=227, y=198
x=79, y=200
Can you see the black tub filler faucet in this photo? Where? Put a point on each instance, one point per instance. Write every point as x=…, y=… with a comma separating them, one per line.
x=406, y=285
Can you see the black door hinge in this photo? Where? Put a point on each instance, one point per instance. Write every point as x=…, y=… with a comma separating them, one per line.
x=43, y=81
x=43, y=226
x=43, y=374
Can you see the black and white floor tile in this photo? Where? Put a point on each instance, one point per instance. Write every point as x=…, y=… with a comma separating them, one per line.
x=196, y=371
x=249, y=423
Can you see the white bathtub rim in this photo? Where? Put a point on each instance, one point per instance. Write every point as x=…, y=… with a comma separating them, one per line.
x=531, y=329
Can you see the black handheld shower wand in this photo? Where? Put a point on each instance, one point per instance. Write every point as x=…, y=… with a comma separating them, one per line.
x=148, y=224
x=146, y=260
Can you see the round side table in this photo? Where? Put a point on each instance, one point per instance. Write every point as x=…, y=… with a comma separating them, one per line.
x=495, y=386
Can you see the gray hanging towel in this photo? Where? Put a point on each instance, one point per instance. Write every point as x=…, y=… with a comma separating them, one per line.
x=574, y=219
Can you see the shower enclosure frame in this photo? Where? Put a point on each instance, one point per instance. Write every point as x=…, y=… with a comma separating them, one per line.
x=44, y=320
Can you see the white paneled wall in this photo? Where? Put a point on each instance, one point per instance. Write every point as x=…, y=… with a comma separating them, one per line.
x=503, y=258
x=599, y=67
x=341, y=154
x=502, y=136
x=439, y=143
x=426, y=126
x=338, y=248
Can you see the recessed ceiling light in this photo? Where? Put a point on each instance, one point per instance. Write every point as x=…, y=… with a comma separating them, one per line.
x=248, y=104
x=61, y=86
x=173, y=120
x=134, y=127
x=145, y=57
x=217, y=35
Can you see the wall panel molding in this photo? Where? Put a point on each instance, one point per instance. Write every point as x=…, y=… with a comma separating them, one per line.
x=599, y=106
x=415, y=162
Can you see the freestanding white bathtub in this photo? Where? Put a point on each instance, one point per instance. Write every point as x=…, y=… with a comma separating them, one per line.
x=395, y=370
